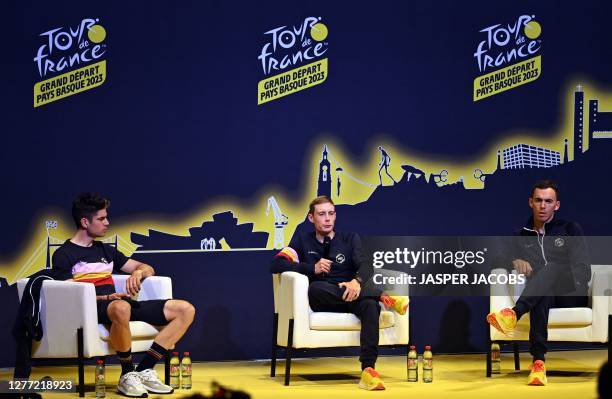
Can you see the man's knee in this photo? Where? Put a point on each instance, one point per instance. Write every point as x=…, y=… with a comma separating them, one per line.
x=119, y=311
x=182, y=309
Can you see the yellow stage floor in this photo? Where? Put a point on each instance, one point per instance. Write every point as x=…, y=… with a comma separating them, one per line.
x=571, y=374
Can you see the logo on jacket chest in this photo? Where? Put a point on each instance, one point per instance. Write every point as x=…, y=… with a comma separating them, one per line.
x=559, y=242
x=340, y=258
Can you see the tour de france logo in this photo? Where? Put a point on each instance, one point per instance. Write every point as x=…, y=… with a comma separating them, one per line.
x=292, y=59
x=70, y=60
x=508, y=56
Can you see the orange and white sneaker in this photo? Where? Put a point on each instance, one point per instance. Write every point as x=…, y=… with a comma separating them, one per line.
x=537, y=376
x=504, y=320
x=370, y=380
x=399, y=304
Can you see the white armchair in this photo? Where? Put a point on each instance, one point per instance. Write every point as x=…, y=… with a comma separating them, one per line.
x=296, y=326
x=589, y=324
x=70, y=321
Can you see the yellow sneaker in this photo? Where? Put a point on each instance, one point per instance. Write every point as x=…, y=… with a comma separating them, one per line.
x=537, y=376
x=370, y=380
x=504, y=320
x=397, y=303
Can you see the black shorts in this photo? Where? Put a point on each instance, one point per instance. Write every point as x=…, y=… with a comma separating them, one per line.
x=151, y=312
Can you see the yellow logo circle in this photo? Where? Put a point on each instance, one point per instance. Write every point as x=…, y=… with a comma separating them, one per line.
x=533, y=29
x=318, y=32
x=96, y=34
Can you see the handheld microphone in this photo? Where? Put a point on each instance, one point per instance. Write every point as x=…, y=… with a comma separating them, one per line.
x=326, y=245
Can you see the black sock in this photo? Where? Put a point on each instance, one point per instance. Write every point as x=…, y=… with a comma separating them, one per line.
x=125, y=359
x=154, y=354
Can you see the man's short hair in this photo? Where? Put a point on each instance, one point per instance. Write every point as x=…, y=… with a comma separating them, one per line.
x=544, y=184
x=86, y=205
x=323, y=199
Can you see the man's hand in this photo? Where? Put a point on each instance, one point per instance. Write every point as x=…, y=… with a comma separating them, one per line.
x=522, y=267
x=132, y=284
x=352, y=290
x=322, y=266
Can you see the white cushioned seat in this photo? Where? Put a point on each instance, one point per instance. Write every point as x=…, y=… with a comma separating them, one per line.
x=570, y=317
x=564, y=317
x=329, y=321
x=139, y=330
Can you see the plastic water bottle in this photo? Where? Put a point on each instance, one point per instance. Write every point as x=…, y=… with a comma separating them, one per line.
x=100, y=380
x=427, y=365
x=186, y=371
x=495, y=358
x=413, y=365
x=175, y=371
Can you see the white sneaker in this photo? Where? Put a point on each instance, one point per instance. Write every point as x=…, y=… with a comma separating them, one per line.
x=152, y=383
x=130, y=384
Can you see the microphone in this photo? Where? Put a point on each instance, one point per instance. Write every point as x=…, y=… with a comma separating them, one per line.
x=326, y=245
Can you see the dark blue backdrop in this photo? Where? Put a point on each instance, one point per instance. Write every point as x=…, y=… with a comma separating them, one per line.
x=177, y=123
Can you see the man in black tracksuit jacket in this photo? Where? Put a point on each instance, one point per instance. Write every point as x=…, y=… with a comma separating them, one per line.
x=337, y=270
x=552, y=254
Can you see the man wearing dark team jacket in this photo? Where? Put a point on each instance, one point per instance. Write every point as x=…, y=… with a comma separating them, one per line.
x=552, y=254
x=336, y=268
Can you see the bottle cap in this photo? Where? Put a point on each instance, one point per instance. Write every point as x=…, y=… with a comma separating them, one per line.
x=100, y=361
x=175, y=353
x=412, y=347
x=427, y=347
x=185, y=353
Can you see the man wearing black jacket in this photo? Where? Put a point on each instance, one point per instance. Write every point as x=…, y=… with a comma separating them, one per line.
x=337, y=270
x=552, y=254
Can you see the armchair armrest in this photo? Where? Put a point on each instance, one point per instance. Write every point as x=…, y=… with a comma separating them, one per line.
x=400, y=328
x=293, y=295
x=154, y=287
x=65, y=307
x=292, y=304
x=601, y=289
x=500, y=293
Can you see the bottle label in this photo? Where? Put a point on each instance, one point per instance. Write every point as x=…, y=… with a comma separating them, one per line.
x=428, y=363
x=186, y=369
x=412, y=363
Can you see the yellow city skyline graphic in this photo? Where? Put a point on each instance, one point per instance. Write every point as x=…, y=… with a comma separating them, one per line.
x=359, y=175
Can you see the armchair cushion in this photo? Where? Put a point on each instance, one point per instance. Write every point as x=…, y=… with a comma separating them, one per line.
x=565, y=317
x=329, y=321
x=139, y=329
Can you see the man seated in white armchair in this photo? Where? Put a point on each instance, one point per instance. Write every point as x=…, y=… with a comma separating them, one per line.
x=552, y=254
x=335, y=266
x=92, y=261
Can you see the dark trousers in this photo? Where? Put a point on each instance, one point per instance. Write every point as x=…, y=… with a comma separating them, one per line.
x=537, y=299
x=327, y=297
